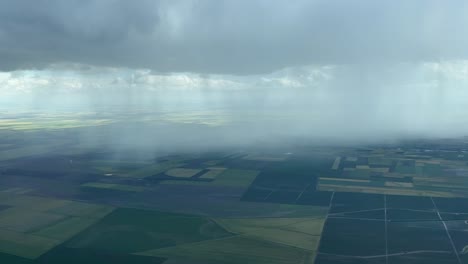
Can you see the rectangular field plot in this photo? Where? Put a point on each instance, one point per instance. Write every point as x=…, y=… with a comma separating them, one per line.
x=313, y=197
x=353, y=237
x=12, y=259
x=24, y=245
x=375, y=214
x=290, y=182
x=291, y=175
x=424, y=258
x=411, y=215
x=256, y=194
x=212, y=173
x=24, y=220
x=417, y=236
x=113, y=187
x=182, y=172
x=350, y=202
x=297, y=232
x=282, y=196
x=83, y=210
x=409, y=202
x=236, y=178
x=64, y=255
x=33, y=225
x=217, y=177
x=66, y=228
x=128, y=230
x=454, y=216
x=452, y=205
x=33, y=203
x=333, y=259
x=234, y=250
x=460, y=240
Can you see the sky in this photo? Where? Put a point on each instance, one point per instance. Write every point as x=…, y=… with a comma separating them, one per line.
x=345, y=69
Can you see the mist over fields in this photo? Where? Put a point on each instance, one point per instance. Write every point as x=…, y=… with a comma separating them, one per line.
x=215, y=73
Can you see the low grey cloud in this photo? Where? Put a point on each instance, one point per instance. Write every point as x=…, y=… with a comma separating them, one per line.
x=230, y=37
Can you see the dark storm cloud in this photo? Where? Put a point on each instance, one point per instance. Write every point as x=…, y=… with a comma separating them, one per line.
x=235, y=37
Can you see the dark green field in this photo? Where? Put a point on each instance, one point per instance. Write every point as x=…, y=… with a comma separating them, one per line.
x=132, y=230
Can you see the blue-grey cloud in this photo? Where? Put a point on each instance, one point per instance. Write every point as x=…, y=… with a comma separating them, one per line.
x=234, y=37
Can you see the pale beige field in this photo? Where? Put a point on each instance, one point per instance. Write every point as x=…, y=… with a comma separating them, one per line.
x=182, y=172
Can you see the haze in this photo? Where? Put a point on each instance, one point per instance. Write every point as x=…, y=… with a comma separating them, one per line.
x=260, y=71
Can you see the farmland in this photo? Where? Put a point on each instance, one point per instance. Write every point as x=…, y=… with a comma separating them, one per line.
x=62, y=201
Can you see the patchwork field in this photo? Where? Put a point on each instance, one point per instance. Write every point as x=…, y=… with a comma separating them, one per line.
x=31, y=226
x=438, y=174
x=397, y=204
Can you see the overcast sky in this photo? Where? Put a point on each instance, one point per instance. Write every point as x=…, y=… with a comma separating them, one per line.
x=393, y=65
x=229, y=37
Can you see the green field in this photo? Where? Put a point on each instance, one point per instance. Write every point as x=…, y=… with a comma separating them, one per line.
x=32, y=225
x=25, y=245
x=297, y=232
x=82, y=210
x=65, y=229
x=113, y=186
x=234, y=250
x=131, y=230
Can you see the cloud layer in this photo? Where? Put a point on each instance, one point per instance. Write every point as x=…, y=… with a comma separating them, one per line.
x=230, y=37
